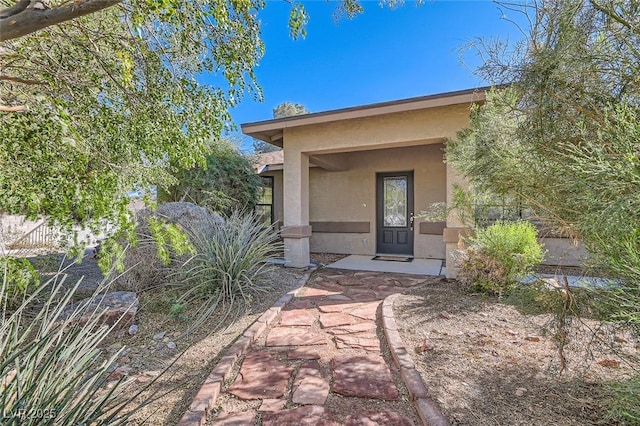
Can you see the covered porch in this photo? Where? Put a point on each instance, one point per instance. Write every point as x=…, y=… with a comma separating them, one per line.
x=352, y=180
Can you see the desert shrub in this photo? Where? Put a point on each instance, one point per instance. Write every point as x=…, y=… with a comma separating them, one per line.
x=162, y=244
x=227, y=265
x=499, y=255
x=51, y=369
x=624, y=406
x=18, y=278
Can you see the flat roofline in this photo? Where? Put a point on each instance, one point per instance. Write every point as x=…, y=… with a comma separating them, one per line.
x=271, y=130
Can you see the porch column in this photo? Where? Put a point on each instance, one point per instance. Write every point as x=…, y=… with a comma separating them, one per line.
x=455, y=228
x=296, y=230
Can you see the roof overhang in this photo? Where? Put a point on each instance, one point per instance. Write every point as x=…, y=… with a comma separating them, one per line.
x=272, y=131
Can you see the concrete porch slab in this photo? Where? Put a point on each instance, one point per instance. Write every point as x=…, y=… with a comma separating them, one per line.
x=354, y=262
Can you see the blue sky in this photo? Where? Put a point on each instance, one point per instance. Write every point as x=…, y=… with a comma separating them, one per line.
x=382, y=54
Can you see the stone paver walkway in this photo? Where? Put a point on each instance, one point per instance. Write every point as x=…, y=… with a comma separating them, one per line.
x=322, y=363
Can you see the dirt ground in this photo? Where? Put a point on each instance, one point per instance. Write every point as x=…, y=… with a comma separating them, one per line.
x=486, y=363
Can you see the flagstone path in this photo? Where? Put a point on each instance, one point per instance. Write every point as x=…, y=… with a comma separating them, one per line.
x=322, y=362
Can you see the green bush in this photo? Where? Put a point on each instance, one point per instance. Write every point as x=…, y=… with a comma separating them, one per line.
x=227, y=265
x=228, y=181
x=18, y=278
x=499, y=255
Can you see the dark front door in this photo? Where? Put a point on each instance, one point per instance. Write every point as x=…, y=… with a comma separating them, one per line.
x=395, y=213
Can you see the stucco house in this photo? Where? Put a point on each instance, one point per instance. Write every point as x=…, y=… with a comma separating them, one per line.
x=351, y=180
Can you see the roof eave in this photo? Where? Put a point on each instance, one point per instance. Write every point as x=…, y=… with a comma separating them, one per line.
x=271, y=131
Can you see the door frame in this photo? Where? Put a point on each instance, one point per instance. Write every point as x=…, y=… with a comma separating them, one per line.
x=410, y=210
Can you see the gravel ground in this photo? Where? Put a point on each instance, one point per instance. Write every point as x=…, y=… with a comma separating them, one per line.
x=486, y=363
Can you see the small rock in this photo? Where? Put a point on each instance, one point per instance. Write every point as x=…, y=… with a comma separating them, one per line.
x=612, y=363
x=143, y=378
x=521, y=391
x=119, y=372
x=425, y=346
x=159, y=336
x=114, y=347
x=133, y=329
x=171, y=345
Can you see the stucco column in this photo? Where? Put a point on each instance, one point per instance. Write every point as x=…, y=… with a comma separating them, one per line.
x=455, y=227
x=296, y=230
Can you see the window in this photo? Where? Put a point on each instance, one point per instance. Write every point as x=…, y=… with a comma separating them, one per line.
x=264, y=207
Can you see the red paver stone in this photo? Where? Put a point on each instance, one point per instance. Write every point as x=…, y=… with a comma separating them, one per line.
x=363, y=296
x=366, y=311
x=317, y=292
x=294, y=336
x=298, y=317
x=299, y=304
x=364, y=376
x=383, y=288
x=335, y=319
x=303, y=353
x=261, y=377
x=365, y=341
x=359, y=288
x=368, y=326
x=272, y=404
x=377, y=418
x=377, y=280
x=308, y=369
x=333, y=305
x=326, y=285
x=349, y=281
x=332, y=276
x=339, y=297
x=364, y=274
x=311, y=390
x=309, y=415
x=242, y=418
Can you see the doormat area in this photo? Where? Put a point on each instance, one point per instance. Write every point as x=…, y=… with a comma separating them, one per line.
x=392, y=258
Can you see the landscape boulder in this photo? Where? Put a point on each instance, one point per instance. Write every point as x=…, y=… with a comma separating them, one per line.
x=114, y=308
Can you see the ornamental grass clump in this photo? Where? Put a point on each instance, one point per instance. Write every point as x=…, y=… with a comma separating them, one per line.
x=52, y=371
x=499, y=255
x=225, y=272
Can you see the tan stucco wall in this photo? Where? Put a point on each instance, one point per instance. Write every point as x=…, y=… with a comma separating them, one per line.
x=350, y=196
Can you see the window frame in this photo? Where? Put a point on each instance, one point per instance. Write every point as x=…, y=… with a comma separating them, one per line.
x=267, y=182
